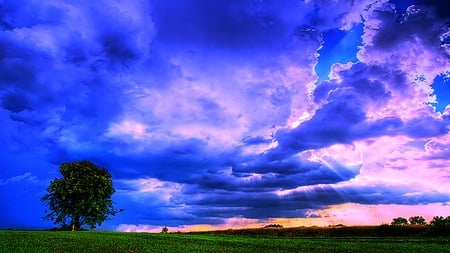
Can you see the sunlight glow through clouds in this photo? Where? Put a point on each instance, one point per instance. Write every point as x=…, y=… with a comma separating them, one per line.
x=349, y=214
x=358, y=214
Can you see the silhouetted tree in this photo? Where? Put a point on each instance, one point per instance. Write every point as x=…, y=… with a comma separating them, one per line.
x=164, y=230
x=440, y=221
x=274, y=226
x=417, y=220
x=81, y=197
x=399, y=221
x=440, y=226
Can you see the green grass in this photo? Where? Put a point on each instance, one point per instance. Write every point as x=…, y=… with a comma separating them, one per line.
x=105, y=242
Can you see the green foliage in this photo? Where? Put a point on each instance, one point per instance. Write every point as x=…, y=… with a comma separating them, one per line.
x=439, y=221
x=417, y=220
x=111, y=242
x=399, y=221
x=81, y=197
x=439, y=226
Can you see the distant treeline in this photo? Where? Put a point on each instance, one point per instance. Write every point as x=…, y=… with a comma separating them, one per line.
x=438, y=226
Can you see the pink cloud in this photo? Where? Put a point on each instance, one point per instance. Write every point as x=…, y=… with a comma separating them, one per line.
x=358, y=214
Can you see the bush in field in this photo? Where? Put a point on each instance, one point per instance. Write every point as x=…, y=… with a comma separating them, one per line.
x=417, y=220
x=399, y=221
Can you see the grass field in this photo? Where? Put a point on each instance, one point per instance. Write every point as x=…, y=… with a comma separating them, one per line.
x=105, y=242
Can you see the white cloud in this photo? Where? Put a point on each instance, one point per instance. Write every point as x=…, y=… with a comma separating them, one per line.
x=129, y=128
x=28, y=177
x=151, y=187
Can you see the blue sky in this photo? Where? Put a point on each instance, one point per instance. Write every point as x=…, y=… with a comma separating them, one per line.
x=217, y=114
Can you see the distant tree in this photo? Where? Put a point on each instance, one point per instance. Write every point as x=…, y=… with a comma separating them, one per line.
x=440, y=226
x=439, y=221
x=81, y=197
x=164, y=230
x=399, y=221
x=274, y=226
x=417, y=220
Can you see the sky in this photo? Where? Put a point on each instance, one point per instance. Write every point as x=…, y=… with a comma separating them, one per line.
x=228, y=114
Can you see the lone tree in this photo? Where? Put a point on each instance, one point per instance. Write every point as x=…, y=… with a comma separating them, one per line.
x=417, y=220
x=399, y=221
x=81, y=197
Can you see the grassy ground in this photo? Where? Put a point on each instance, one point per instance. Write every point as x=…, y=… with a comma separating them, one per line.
x=105, y=242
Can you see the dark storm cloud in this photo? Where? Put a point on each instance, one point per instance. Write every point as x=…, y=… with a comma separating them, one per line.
x=255, y=140
x=277, y=177
x=149, y=209
x=299, y=202
x=104, y=46
x=178, y=162
x=192, y=162
x=391, y=194
x=249, y=205
x=372, y=84
x=333, y=123
x=415, y=22
x=426, y=127
x=228, y=24
x=420, y=31
x=249, y=24
x=61, y=64
x=342, y=116
x=262, y=164
x=211, y=205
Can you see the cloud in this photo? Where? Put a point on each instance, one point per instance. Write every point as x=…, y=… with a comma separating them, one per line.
x=25, y=177
x=248, y=25
x=62, y=65
x=59, y=62
x=357, y=104
x=267, y=176
x=299, y=202
x=398, y=40
x=357, y=214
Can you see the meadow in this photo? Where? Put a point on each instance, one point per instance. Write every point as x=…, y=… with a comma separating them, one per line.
x=105, y=242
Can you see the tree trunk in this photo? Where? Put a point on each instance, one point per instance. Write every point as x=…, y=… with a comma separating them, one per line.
x=76, y=223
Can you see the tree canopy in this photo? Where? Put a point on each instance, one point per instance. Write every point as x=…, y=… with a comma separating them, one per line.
x=417, y=220
x=81, y=197
x=400, y=221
